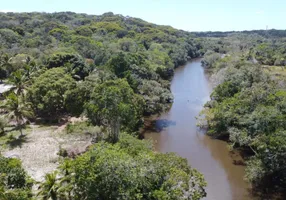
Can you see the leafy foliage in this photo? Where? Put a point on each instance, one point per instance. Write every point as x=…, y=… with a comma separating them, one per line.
x=87, y=45
x=114, y=104
x=248, y=109
x=129, y=170
x=47, y=93
x=74, y=64
x=14, y=182
x=17, y=109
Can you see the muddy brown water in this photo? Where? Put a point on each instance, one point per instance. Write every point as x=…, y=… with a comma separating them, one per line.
x=176, y=131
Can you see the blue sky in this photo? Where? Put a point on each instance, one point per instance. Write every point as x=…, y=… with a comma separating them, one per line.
x=190, y=15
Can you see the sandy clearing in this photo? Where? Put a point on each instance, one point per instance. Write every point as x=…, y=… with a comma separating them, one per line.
x=39, y=151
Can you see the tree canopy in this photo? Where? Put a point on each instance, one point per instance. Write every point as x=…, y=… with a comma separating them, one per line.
x=128, y=169
x=47, y=93
x=114, y=104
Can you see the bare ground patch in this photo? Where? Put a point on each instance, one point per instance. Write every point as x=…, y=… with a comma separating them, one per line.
x=39, y=151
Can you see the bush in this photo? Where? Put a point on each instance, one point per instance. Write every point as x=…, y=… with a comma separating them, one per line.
x=82, y=128
x=14, y=181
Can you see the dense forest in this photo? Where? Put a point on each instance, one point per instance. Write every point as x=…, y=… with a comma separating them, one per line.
x=112, y=71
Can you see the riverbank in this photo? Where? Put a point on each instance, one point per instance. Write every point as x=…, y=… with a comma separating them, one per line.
x=176, y=131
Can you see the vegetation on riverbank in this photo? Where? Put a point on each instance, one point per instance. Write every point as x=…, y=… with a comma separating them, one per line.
x=248, y=105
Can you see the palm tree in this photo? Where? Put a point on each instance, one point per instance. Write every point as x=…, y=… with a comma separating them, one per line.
x=17, y=110
x=18, y=80
x=21, y=78
x=49, y=188
x=5, y=66
x=2, y=193
x=3, y=73
x=29, y=68
x=67, y=181
x=3, y=123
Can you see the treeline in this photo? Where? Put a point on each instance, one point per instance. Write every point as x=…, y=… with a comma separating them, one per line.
x=272, y=33
x=111, y=69
x=254, y=47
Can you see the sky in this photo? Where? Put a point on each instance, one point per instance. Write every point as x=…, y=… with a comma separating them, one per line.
x=189, y=15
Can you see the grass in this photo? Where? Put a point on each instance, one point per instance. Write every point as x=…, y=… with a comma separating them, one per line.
x=276, y=71
x=12, y=138
x=82, y=128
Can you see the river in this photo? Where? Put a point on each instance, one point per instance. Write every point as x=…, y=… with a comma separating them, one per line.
x=177, y=132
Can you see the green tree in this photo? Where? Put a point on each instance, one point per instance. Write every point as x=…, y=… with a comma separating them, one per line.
x=9, y=37
x=17, y=109
x=210, y=59
x=67, y=182
x=156, y=96
x=48, y=92
x=15, y=184
x=114, y=104
x=5, y=66
x=49, y=188
x=18, y=80
x=267, y=167
x=3, y=123
x=73, y=63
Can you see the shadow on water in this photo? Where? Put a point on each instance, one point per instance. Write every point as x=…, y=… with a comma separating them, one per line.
x=162, y=124
x=154, y=124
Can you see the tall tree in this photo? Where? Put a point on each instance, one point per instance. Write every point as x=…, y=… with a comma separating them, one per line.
x=4, y=61
x=4, y=66
x=114, y=104
x=17, y=110
x=18, y=80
